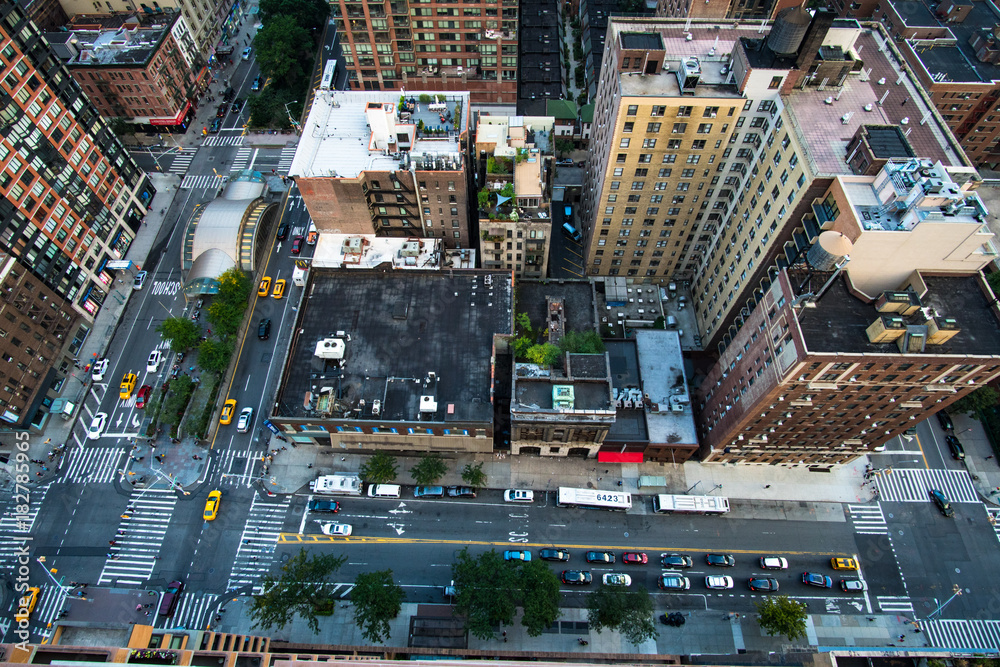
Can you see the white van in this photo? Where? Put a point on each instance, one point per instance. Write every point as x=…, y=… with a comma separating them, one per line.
x=383, y=490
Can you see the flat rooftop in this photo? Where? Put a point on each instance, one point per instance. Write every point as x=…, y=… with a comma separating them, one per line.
x=955, y=59
x=588, y=375
x=402, y=327
x=630, y=423
x=367, y=251
x=839, y=321
x=823, y=120
x=336, y=139
x=661, y=365
x=114, y=39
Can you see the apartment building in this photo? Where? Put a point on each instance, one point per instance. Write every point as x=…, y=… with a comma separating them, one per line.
x=211, y=23
x=740, y=10
x=142, y=67
x=73, y=199
x=385, y=164
x=515, y=210
x=710, y=143
x=433, y=46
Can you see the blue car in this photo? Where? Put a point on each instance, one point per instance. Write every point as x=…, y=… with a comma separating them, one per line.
x=818, y=580
x=428, y=492
x=517, y=555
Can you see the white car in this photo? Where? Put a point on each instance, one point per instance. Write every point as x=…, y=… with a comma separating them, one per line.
x=616, y=579
x=518, y=496
x=246, y=53
x=773, y=563
x=246, y=418
x=334, y=528
x=153, y=363
x=97, y=425
x=100, y=368
x=139, y=281
x=718, y=583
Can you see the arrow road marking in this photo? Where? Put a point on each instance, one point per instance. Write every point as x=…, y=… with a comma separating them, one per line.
x=398, y=527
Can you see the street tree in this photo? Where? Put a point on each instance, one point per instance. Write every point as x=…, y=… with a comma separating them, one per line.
x=429, y=469
x=300, y=589
x=629, y=611
x=234, y=287
x=473, y=475
x=780, y=615
x=225, y=318
x=309, y=14
x=984, y=398
x=214, y=355
x=540, y=597
x=177, y=399
x=564, y=146
x=487, y=591
x=380, y=468
x=377, y=599
x=283, y=46
x=180, y=332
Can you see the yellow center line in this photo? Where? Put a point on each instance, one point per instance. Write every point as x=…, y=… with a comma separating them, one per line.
x=298, y=538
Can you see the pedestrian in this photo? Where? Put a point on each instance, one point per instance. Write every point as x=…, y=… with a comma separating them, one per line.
x=112, y=542
x=767, y=486
x=196, y=457
x=505, y=634
x=902, y=638
x=138, y=607
x=989, y=457
x=309, y=466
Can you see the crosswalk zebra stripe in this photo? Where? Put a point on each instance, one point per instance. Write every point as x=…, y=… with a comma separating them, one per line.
x=287, y=155
x=868, y=519
x=182, y=160
x=256, y=550
x=242, y=159
x=193, y=611
x=15, y=528
x=911, y=485
x=891, y=604
x=144, y=527
x=993, y=516
x=92, y=465
x=223, y=141
x=203, y=181
x=962, y=634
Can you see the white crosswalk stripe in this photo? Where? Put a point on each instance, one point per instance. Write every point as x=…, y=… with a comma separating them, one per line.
x=205, y=181
x=993, y=515
x=868, y=519
x=193, y=611
x=242, y=159
x=145, y=523
x=222, y=140
x=962, y=634
x=236, y=468
x=182, y=160
x=911, y=485
x=15, y=527
x=92, y=465
x=256, y=551
x=285, y=161
x=894, y=605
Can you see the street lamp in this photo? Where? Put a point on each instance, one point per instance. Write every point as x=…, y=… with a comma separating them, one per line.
x=692, y=488
x=717, y=486
x=956, y=591
x=294, y=123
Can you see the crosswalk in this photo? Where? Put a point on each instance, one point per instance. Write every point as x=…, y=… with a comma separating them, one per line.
x=242, y=159
x=993, y=516
x=182, y=160
x=137, y=548
x=911, y=485
x=236, y=468
x=15, y=526
x=92, y=465
x=202, y=181
x=221, y=140
x=285, y=161
x=890, y=604
x=868, y=519
x=962, y=634
x=255, y=554
x=193, y=611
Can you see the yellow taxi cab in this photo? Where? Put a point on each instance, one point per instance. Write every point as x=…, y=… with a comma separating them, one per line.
x=265, y=286
x=279, y=289
x=228, y=408
x=128, y=385
x=212, y=505
x=26, y=604
x=843, y=564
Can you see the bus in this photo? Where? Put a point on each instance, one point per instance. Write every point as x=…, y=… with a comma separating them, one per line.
x=667, y=504
x=593, y=499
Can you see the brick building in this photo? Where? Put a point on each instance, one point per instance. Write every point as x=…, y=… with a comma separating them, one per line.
x=143, y=67
x=366, y=165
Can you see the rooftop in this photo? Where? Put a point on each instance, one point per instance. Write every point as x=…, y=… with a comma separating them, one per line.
x=823, y=119
x=351, y=132
x=839, y=321
x=661, y=365
x=630, y=423
x=113, y=39
x=404, y=335
x=952, y=58
x=588, y=375
x=367, y=251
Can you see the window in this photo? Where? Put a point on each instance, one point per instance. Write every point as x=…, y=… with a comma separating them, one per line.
x=624, y=143
x=684, y=112
x=679, y=128
x=628, y=126
x=633, y=109
x=665, y=172
x=649, y=143
x=653, y=127
x=775, y=83
x=704, y=128
x=658, y=111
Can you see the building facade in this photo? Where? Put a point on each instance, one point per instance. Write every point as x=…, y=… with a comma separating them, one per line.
x=375, y=163
x=141, y=67
x=73, y=198
x=434, y=46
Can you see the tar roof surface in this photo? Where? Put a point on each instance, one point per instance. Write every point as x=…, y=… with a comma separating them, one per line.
x=839, y=321
x=402, y=327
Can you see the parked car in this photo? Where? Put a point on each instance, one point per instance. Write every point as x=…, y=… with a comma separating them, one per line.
x=605, y=557
x=221, y=111
x=428, y=492
x=518, y=496
x=255, y=86
x=228, y=95
x=818, y=580
x=719, y=583
x=676, y=560
x=337, y=529
x=634, y=558
x=331, y=506
x=763, y=584
x=139, y=280
x=944, y=419
x=170, y=596
x=942, y=503
x=955, y=447
x=773, y=563
x=852, y=585
x=673, y=582
x=720, y=560
x=461, y=492
x=616, y=579
x=517, y=555
x=97, y=425
x=576, y=577
x=142, y=396
x=100, y=368
x=246, y=419
x=554, y=554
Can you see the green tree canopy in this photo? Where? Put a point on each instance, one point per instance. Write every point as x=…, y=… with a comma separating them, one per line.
x=377, y=599
x=310, y=14
x=981, y=399
x=177, y=398
x=429, y=469
x=780, y=615
x=545, y=354
x=582, y=342
x=379, y=468
x=473, y=475
x=214, y=355
x=540, y=597
x=300, y=589
x=180, y=332
x=234, y=288
x=564, y=146
x=629, y=611
x=486, y=591
x=284, y=50
x=225, y=318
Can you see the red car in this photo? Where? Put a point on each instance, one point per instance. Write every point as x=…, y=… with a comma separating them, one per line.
x=142, y=397
x=297, y=244
x=634, y=558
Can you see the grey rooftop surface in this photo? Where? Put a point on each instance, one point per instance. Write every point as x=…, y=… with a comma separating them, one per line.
x=661, y=364
x=402, y=326
x=839, y=321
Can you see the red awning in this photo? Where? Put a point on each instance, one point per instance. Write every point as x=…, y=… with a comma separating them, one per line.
x=176, y=120
x=619, y=457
